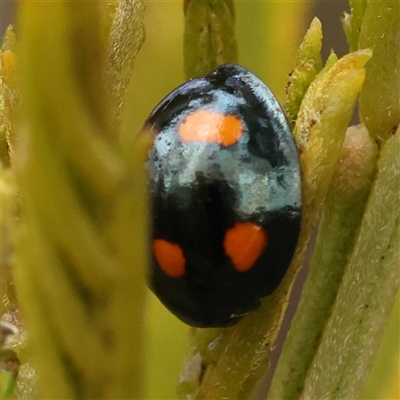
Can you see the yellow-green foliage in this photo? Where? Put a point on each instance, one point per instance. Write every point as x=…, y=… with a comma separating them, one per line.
x=81, y=246
x=380, y=97
x=209, y=38
x=75, y=220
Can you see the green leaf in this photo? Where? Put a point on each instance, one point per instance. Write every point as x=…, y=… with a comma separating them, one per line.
x=383, y=381
x=308, y=63
x=352, y=22
x=343, y=209
x=127, y=37
x=367, y=291
x=380, y=96
x=321, y=125
x=209, y=38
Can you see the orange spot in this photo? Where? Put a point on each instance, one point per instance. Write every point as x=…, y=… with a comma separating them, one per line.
x=170, y=258
x=211, y=127
x=244, y=243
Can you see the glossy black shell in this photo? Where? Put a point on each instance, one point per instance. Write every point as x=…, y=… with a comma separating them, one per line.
x=199, y=190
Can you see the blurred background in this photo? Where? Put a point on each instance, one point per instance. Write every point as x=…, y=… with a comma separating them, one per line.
x=268, y=34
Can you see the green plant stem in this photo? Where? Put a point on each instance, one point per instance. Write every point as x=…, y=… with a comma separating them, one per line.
x=209, y=38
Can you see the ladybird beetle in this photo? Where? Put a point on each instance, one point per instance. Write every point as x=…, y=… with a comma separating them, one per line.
x=226, y=197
